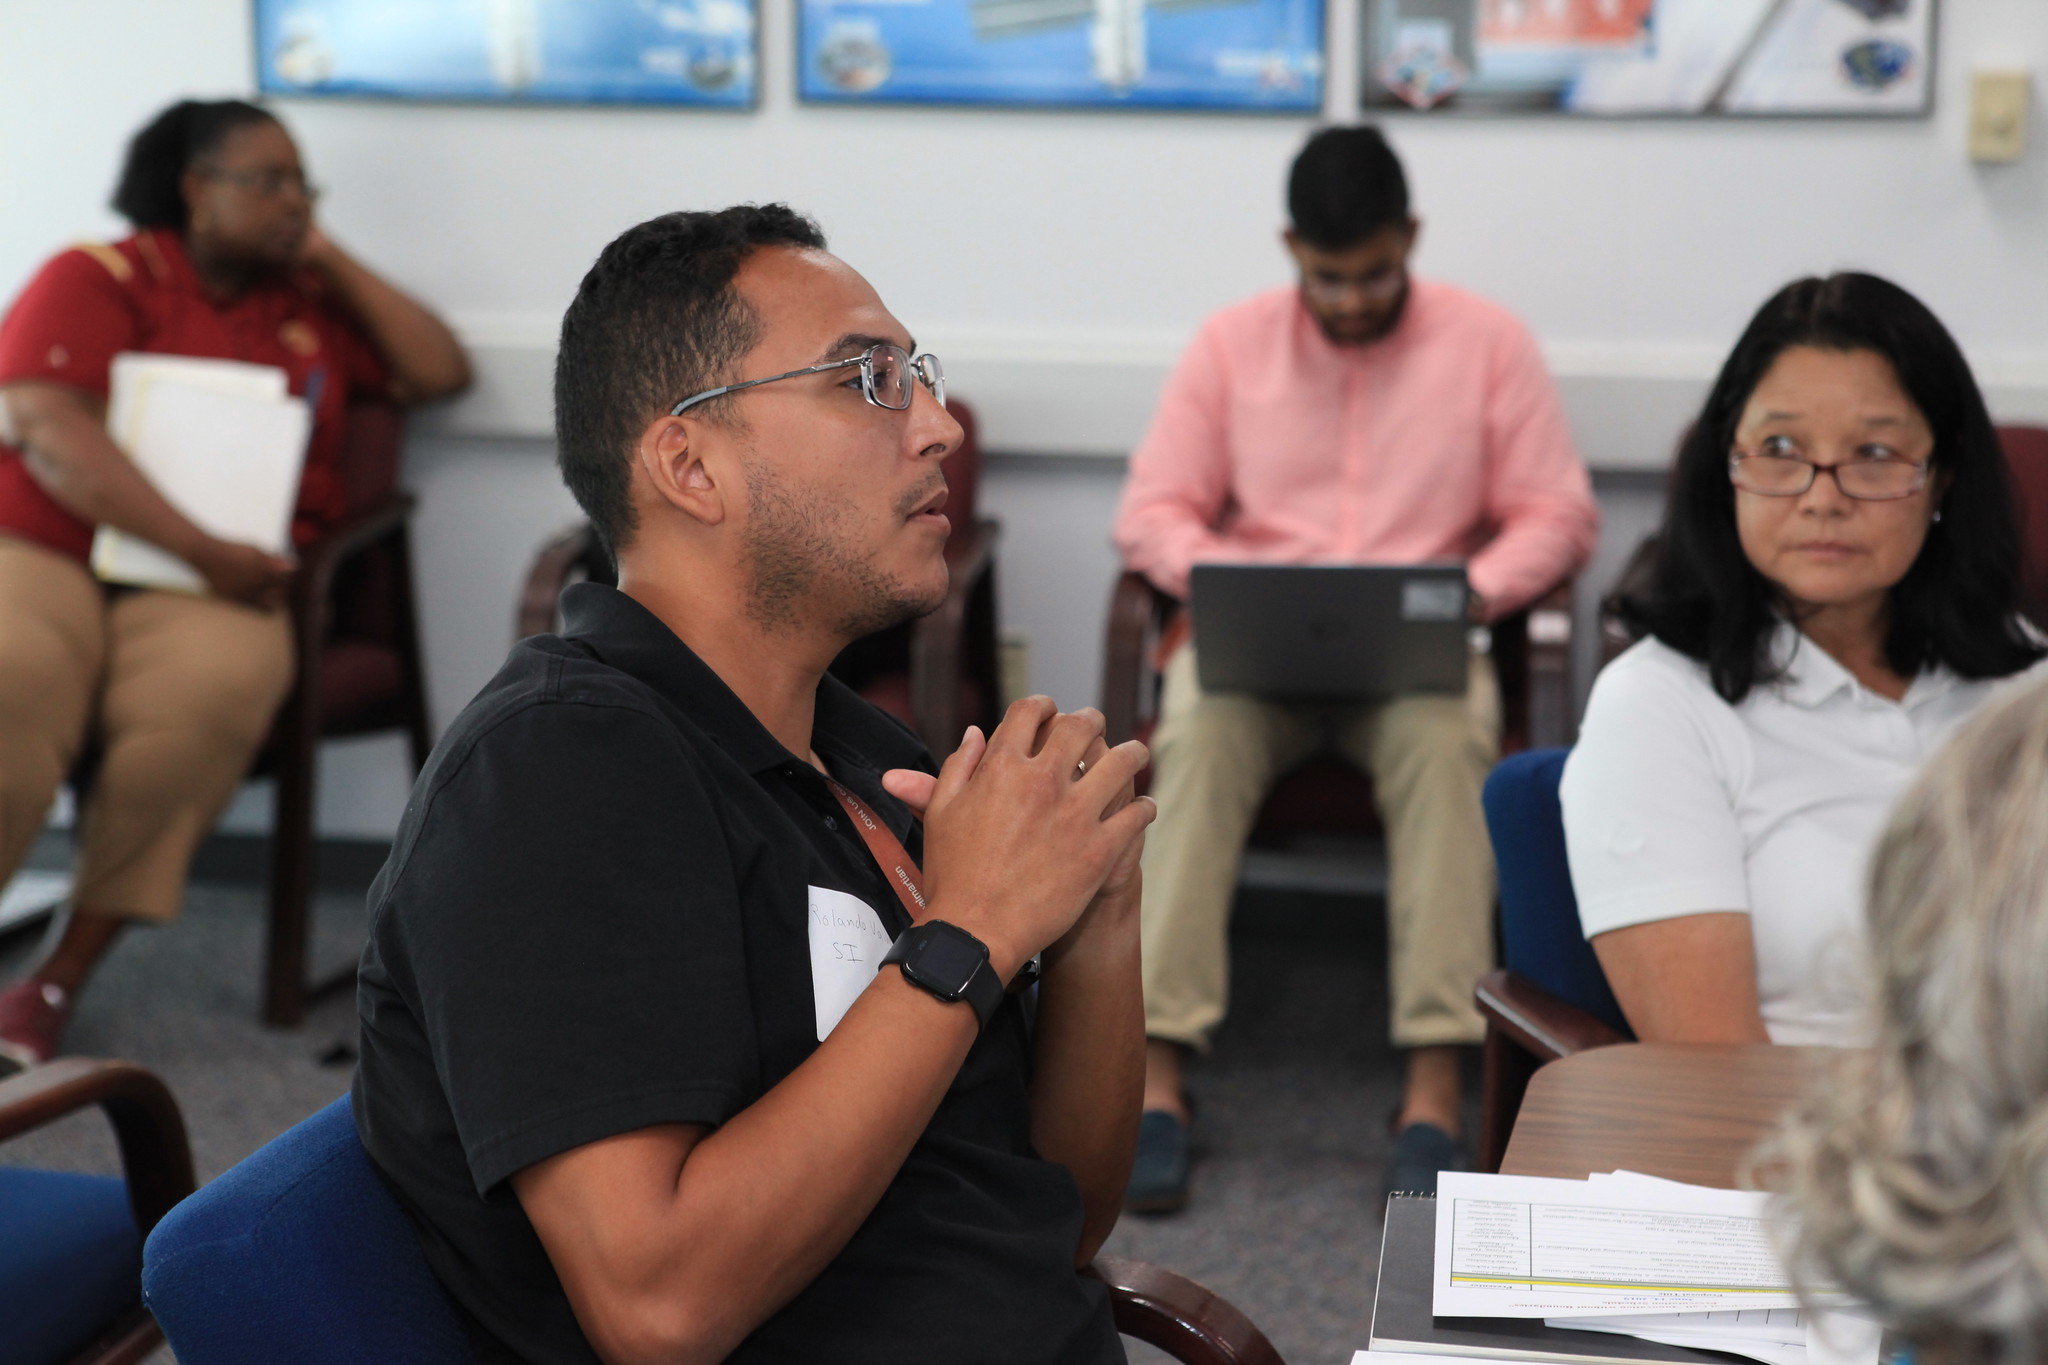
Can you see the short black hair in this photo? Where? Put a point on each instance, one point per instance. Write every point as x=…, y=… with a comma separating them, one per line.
x=654, y=321
x=148, y=193
x=1958, y=605
x=1346, y=186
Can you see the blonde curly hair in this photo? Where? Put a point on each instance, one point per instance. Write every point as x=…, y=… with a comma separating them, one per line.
x=1917, y=1173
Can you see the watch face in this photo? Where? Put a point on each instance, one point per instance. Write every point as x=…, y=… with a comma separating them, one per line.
x=948, y=960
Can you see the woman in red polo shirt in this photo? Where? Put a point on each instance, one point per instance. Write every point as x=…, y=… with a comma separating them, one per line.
x=177, y=689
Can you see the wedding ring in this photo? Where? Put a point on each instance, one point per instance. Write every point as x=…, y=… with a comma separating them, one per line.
x=1081, y=767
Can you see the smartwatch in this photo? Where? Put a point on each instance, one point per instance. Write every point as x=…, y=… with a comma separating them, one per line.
x=950, y=963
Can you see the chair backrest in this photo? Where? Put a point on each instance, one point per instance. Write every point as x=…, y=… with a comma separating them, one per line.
x=1540, y=937
x=365, y=604
x=371, y=445
x=299, y=1253
x=2026, y=455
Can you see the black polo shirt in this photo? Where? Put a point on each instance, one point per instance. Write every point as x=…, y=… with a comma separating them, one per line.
x=594, y=919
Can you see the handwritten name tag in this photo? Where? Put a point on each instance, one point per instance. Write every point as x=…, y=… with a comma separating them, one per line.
x=847, y=943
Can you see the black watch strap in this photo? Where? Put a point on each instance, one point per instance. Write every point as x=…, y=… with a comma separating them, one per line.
x=950, y=963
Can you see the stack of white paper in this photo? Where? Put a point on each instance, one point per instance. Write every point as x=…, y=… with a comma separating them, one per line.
x=1685, y=1265
x=222, y=441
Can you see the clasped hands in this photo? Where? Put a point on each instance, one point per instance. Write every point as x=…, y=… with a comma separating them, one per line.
x=1031, y=834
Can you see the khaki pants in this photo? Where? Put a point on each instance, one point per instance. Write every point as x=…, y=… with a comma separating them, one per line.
x=1216, y=757
x=177, y=690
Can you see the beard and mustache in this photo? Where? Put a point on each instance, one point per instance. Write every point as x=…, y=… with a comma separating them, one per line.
x=801, y=559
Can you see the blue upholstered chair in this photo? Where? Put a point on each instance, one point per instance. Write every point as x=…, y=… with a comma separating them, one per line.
x=1550, y=999
x=300, y=1253
x=71, y=1245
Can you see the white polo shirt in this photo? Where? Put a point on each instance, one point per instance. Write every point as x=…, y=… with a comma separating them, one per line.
x=1676, y=803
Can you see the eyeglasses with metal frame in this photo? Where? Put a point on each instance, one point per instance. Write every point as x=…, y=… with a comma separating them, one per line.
x=886, y=375
x=1377, y=287
x=272, y=183
x=1865, y=479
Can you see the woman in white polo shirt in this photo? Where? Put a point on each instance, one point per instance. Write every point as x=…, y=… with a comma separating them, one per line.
x=1834, y=589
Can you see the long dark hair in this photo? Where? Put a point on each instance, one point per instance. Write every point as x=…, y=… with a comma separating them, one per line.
x=1694, y=588
x=149, y=193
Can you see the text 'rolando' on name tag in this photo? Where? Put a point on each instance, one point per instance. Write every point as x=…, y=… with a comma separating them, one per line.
x=847, y=943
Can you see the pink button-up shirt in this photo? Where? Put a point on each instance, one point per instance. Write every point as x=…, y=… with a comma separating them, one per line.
x=1444, y=439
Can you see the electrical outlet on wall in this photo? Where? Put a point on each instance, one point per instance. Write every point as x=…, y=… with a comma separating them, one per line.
x=1998, y=115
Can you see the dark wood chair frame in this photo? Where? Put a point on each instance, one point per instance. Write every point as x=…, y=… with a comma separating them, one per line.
x=292, y=752
x=1526, y=1028
x=1178, y=1316
x=958, y=638
x=156, y=1160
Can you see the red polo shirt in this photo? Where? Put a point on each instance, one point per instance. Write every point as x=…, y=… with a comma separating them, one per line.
x=142, y=294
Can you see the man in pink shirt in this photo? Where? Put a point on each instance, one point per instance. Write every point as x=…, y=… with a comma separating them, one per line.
x=1361, y=416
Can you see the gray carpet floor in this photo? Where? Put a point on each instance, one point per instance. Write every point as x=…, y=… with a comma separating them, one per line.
x=1291, y=1130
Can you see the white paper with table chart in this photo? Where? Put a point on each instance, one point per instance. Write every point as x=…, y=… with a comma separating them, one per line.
x=1526, y=1246
x=222, y=441
x=1633, y=1254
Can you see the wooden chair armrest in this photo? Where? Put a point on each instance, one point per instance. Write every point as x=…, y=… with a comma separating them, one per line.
x=313, y=585
x=1135, y=608
x=544, y=582
x=155, y=1155
x=1180, y=1317
x=320, y=560
x=1547, y=1027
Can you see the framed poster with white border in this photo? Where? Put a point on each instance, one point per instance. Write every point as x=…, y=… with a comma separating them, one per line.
x=691, y=53
x=1623, y=58
x=1232, y=55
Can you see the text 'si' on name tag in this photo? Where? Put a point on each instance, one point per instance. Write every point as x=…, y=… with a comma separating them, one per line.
x=847, y=943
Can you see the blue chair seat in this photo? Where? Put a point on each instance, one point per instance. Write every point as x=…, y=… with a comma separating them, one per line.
x=69, y=1255
x=299, y=1253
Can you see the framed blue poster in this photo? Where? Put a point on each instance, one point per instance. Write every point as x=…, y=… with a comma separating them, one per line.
x=680, y=52
x=1832, y=58
x=1159, y=54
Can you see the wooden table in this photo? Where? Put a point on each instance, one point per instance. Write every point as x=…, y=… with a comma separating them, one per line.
x=1684, y=1111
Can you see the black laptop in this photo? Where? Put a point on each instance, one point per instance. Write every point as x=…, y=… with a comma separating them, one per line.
x=1313, y=632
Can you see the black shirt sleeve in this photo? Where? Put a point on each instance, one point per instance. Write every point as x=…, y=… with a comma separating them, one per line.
x=567, y=930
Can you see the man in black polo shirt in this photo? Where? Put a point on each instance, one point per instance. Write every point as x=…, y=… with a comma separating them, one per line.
x=627, y=1055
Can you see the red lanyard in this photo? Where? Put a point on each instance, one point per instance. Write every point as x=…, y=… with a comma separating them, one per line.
x=888, y=850
x=901, y=868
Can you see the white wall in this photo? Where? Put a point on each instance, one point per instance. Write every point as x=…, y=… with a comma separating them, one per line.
x=1056, y=260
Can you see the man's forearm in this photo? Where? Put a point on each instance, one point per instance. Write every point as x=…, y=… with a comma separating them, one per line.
x=1088, y=1077
x=703, y=1242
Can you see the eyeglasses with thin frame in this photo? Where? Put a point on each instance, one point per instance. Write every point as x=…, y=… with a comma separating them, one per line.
x=268, y=184
x=1866, y=479
x=886, y=375
x=1377, y=287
